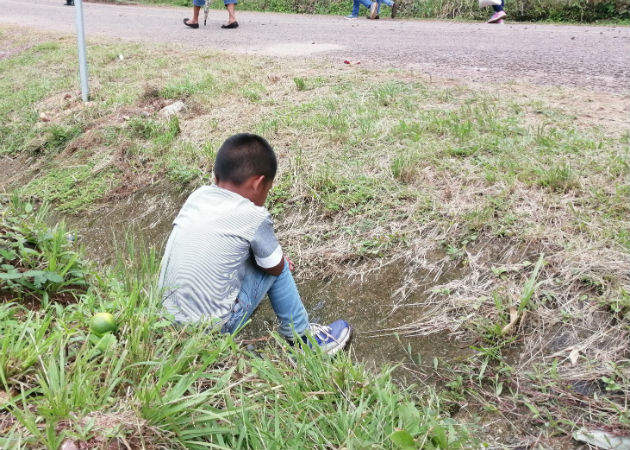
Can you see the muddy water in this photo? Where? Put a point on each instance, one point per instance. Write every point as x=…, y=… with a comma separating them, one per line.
x=147, y=216
x=370, y=309
x=368, y=306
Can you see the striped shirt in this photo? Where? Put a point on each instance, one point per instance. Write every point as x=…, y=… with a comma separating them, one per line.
x=213, y=236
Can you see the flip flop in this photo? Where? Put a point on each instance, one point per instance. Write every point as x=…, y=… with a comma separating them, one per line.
x=191, y=25
x=230, y=25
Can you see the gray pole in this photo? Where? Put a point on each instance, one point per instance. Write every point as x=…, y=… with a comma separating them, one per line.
x=81, y=42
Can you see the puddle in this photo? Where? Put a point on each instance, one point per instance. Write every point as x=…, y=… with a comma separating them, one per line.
x=370, y=309
x=147, y=214
x=368, y=306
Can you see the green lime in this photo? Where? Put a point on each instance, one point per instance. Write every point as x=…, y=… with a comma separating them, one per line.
x=102, y=323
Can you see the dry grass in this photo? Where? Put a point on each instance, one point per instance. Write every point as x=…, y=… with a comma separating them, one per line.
x=462, y=187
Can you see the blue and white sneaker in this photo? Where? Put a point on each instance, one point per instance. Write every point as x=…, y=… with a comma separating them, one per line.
x=351, y=17
x=333, y=337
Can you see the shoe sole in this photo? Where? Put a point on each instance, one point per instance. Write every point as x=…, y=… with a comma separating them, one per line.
x=497, y=19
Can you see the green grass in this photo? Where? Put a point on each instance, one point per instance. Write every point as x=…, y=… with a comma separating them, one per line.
x=154, y=385
x=461, y=187
x=615, y=11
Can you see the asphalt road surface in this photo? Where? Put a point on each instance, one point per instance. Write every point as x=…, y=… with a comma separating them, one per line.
x=591, y=57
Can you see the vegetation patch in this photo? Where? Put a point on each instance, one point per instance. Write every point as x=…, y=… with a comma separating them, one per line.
x=506, y=214
x=36, y=262
x=150, y=385
x=523, y=10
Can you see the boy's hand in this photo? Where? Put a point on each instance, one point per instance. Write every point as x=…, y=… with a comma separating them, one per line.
x=291, y=265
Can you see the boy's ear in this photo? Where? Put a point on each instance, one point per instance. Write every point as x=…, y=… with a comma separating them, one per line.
x=258, y=181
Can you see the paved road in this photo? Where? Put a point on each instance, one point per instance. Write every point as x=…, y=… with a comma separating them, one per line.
x=595, y=58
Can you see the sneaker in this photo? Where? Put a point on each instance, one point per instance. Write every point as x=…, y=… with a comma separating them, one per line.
x=497, y=16
x=394, y=9
x=350, y=17
x=333, y=337
x=373, y=10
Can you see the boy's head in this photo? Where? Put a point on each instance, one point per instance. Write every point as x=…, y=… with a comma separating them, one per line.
x=245, y=155
x=247, y=165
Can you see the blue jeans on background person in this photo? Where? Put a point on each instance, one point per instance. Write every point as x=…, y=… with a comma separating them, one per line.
x=498, y=8
x=356, y=4
x=283, y=294
x=387, y=2
x=202, y=3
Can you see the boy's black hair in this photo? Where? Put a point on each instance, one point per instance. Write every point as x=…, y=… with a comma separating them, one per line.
x=244, y=155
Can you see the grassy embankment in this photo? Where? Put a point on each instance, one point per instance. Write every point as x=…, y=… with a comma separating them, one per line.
x=399, y=170
x=575, y=11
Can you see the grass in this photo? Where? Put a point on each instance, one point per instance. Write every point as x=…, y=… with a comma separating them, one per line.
x=150, y=384
x=464, y=187
x=581, y=11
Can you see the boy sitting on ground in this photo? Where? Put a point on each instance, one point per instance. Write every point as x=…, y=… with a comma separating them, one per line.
x=223, y=257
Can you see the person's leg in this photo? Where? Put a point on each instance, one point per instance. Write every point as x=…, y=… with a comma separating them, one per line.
x=284, y=296
x=499, y=14
x=230, y=5
x=389, y=3
x=355, y=8
x=356, y=4
x=194, y=22
x=287, y=304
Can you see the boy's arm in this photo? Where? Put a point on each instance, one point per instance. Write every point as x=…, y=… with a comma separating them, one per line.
x=266, y=251
x=277, y=270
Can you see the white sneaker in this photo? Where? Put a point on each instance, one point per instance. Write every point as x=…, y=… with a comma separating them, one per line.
x=373, y=10
x=497, y=16
x=333, y=337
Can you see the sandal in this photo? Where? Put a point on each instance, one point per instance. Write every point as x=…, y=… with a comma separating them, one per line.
x=230, y=25
x=191, y=25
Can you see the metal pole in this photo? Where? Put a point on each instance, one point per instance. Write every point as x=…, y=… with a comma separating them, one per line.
x=82, y=58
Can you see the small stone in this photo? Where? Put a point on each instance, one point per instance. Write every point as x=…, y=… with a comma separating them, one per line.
x=43, y=117
x=4, y=398
x=172, y=109
x=68, y=444
x=121, y=57
x=67, y=97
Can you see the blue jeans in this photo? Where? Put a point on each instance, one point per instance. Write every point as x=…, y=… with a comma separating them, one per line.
x=202, y=3
x=498, y=8
x=356, y=4
x=386, y=2
x=284, y=297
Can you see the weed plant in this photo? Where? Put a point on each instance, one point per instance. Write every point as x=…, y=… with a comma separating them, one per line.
x=463, y=187
x=152, y=385
x=36, y=262
x=582, y=11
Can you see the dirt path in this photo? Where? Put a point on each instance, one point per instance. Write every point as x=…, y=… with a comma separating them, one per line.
x=596, y=58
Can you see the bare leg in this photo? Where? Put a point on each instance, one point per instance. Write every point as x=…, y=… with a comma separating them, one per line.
x=195, y=18
x=231, y=13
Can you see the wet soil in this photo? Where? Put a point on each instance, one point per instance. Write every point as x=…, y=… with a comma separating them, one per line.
x=147, y=215
x=369, y=307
